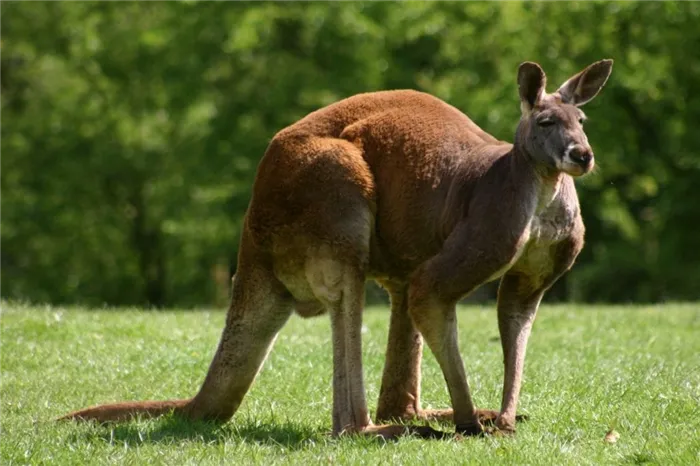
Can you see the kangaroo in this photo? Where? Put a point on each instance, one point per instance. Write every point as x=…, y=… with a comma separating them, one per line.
x=402, y=188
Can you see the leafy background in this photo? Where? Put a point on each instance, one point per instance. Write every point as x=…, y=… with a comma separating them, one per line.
x=131, y=131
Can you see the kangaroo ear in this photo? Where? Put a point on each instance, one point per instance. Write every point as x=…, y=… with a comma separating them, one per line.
x=531, y=82
x=582, y=87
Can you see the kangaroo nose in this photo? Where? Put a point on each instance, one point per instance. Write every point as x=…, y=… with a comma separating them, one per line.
x=581, y=155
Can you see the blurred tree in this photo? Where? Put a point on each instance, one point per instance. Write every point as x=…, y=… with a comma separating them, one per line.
x=131, y=131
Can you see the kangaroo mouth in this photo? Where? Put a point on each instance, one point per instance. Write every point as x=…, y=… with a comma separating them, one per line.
x=574, y=167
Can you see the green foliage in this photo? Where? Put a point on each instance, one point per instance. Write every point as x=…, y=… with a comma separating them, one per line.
x=131, y=131
x=589, y=369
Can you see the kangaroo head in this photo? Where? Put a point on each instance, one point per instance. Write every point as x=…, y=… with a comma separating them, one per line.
x=551, y=126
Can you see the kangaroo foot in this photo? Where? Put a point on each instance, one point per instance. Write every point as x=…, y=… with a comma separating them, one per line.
x=486, y=416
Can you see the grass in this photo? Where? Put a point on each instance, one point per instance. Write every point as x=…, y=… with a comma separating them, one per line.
x=589, y=369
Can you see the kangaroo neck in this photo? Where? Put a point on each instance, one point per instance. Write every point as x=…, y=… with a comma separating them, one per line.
x=541, y=181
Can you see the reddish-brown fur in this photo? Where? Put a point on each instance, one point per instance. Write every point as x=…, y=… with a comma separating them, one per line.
x=403, y=188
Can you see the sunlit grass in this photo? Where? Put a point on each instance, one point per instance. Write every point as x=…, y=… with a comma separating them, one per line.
x=589, y=369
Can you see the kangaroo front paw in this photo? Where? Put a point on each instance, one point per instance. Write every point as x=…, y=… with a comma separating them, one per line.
x=506, y=424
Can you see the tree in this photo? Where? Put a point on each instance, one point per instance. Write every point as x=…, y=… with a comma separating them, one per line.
x=132, y=131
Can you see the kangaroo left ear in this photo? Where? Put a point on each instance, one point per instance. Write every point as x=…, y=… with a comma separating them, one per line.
x=584, y=86
x=531, y=83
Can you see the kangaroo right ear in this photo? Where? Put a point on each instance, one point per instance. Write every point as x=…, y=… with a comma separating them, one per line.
x=582, y=87
x=531, y=82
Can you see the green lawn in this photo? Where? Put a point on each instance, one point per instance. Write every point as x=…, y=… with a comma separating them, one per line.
x=589, y=369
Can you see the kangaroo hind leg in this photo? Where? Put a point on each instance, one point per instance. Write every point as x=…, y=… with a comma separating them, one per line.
x=399, y=396
x=400, y=393
x=345, y=305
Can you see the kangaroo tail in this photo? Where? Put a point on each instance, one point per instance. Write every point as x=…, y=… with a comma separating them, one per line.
x=259, y=308
x=125, y=411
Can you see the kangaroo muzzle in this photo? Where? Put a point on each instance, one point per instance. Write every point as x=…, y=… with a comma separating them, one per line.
x=578, y=160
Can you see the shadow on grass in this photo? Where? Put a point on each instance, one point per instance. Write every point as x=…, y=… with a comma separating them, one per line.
x=172, y=431
x=287, y=435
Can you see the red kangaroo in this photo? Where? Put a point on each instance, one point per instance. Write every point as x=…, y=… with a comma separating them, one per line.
x=402, y=188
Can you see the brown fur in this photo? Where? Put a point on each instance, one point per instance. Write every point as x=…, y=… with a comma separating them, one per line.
x=401, y=187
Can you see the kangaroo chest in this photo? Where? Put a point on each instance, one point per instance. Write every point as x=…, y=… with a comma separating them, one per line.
x=546, y=230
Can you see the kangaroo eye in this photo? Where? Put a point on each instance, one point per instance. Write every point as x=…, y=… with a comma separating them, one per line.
x=545, y=122
x=580, y=121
